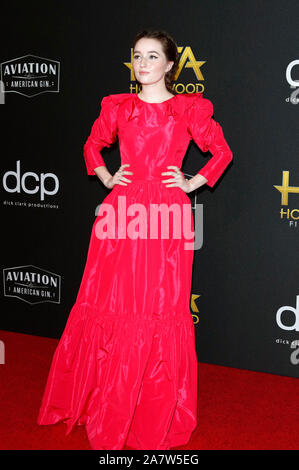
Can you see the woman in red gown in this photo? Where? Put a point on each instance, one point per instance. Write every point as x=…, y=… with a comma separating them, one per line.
x=126, y=364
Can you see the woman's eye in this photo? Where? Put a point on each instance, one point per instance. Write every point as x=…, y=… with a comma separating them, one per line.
x=137, y=56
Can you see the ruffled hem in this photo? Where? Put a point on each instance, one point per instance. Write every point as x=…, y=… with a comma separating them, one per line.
x=130, y=381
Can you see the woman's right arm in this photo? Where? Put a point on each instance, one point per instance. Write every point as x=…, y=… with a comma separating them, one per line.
x=103, y=174
x=103, y=134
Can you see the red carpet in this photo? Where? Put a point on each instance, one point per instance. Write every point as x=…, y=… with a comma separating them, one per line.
x=237, y=409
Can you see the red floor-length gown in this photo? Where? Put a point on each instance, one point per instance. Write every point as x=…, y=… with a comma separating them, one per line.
x=126, y=364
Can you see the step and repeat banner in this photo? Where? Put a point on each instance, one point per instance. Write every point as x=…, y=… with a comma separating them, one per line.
x=56, y=66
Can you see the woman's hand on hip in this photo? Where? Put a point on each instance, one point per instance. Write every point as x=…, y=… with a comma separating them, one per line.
x=118, y=177
x=178, y=179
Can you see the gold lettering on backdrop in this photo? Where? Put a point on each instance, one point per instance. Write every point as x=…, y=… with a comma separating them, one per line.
x=292, y=215
x=188, y=55
x=285, y=189
x=194, y=308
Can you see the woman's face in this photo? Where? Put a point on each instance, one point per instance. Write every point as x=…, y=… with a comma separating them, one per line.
x=149, y=61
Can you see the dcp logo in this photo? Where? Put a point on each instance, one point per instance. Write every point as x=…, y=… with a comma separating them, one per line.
x=295, y=310
x=20, y=182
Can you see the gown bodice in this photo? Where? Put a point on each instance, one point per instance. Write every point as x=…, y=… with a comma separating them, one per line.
x=153, y=136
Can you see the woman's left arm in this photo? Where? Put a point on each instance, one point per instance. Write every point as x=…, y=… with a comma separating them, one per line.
x=208, y=135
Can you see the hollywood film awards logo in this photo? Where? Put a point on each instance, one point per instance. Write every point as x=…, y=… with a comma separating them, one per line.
x=30, y=75
x=31, y=284
x=290, y=215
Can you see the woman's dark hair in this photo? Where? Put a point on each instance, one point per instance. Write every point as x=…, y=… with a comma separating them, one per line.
x=169, y=48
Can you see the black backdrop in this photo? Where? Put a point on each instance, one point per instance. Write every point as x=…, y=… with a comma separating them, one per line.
x=245, y=278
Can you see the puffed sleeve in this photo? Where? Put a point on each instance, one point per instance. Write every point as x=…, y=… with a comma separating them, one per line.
x=103, y=134
x=208, y=135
